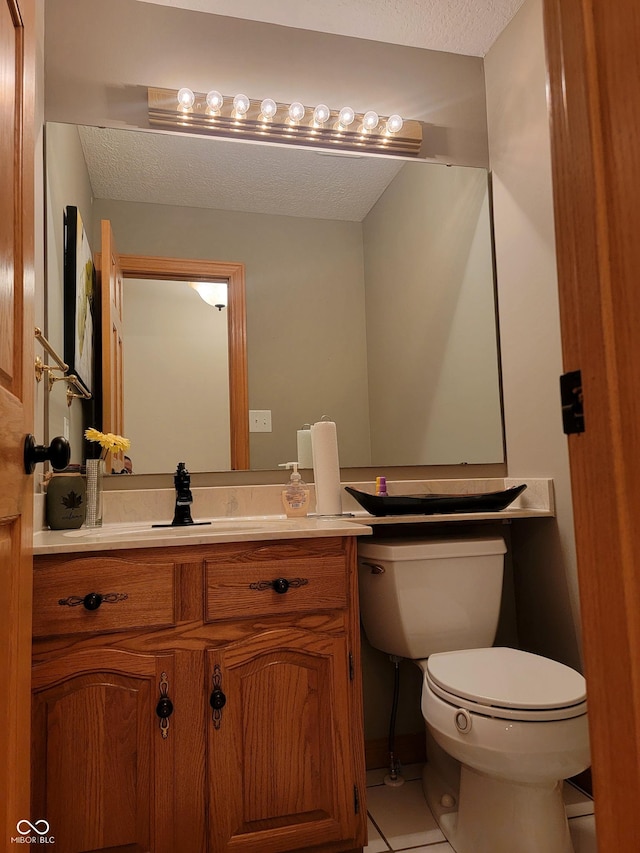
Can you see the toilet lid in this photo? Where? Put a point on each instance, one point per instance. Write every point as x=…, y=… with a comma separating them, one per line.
x=508, y=679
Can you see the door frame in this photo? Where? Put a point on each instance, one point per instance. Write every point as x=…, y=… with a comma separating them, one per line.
x=594, y=102
x=187, y=269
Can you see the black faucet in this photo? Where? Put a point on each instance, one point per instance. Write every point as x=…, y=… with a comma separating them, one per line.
x=184, y=498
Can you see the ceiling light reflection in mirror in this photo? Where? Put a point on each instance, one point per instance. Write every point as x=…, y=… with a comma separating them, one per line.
x=214, y=293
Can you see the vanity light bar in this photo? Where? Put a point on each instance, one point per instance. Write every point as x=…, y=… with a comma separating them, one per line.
x=294, y=124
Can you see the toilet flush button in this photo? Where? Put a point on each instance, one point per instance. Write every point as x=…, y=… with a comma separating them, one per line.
x=463, y=721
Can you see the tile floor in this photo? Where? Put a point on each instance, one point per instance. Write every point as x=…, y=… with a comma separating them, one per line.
x=400, y=820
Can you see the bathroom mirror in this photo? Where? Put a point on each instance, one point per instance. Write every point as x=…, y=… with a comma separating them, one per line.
x=369, y=284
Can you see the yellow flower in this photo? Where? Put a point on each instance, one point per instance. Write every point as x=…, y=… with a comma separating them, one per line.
x=107, y=440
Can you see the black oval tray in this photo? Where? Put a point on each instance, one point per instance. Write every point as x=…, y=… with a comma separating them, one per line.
x=430, y=504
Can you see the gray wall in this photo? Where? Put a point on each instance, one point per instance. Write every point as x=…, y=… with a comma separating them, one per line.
x=543, y=552
x=101, y=57
x=434, y=392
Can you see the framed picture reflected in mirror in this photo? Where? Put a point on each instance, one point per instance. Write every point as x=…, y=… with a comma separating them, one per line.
x=79, y=300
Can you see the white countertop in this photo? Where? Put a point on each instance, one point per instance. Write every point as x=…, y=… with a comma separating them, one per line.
x=143, y=535
x=445, y=517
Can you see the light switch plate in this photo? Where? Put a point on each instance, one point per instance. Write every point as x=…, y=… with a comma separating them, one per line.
x=259, y=420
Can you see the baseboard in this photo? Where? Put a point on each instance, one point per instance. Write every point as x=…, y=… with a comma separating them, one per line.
x=409, y=749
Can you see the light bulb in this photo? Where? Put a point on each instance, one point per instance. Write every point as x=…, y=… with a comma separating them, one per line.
x=186, y=98
x=268, y=108
x=241, y=105
x=346, y=116
x=394, y=124
x=296, y=111
x=370, y=120
x=321, y=114
x=214, y=100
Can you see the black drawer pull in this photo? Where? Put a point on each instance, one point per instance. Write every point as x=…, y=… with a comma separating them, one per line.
x=93, y=600
x=279, y=585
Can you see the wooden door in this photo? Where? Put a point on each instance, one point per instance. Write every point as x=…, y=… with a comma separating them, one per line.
x=594, y=74
x=17, y=87
x=106, y=777
x=112, y=350
x=280, y=762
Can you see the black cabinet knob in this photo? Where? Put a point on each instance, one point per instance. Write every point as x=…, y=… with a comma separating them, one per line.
x=280, y=585
x=92, y=601
x=164, y=708
x=58, y=453
x=217, y=700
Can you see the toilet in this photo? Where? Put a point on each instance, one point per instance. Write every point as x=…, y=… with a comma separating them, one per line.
x=504, y=727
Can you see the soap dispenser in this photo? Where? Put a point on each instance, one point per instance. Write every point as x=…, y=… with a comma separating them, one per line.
x=295, y=496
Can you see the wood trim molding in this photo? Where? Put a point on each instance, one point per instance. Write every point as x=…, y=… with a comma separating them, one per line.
x=593, y=69
x=18, y=35
x=187, y=269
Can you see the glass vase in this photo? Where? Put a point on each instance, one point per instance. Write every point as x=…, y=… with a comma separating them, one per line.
x=95, y=472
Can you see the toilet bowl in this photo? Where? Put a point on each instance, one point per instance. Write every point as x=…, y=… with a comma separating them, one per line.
x=515, y=723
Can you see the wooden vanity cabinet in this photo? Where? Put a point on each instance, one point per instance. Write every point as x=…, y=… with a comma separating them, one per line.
x=253, y=647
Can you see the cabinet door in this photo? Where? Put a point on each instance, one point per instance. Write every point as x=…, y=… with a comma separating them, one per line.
x=280, y=760
x=103, y=763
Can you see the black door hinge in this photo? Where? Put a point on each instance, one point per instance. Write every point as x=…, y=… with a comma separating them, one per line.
x=571, y=399
x=356, y=800
x=351, y=672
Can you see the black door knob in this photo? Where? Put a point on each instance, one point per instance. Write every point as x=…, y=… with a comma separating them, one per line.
x=58, y=453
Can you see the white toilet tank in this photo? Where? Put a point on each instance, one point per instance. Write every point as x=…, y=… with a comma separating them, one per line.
x=423, y=596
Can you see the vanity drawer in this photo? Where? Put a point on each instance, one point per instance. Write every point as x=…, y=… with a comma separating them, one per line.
x=101, y=594
x=247, y=587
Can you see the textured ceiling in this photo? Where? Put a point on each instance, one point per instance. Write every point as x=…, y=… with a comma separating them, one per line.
x=194, y=171
x=456, y=26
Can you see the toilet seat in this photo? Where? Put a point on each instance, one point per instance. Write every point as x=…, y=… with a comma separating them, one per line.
x=508, y=684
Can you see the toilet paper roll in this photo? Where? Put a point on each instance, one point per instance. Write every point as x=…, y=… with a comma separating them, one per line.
x=305, y=453
x=326, y=468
